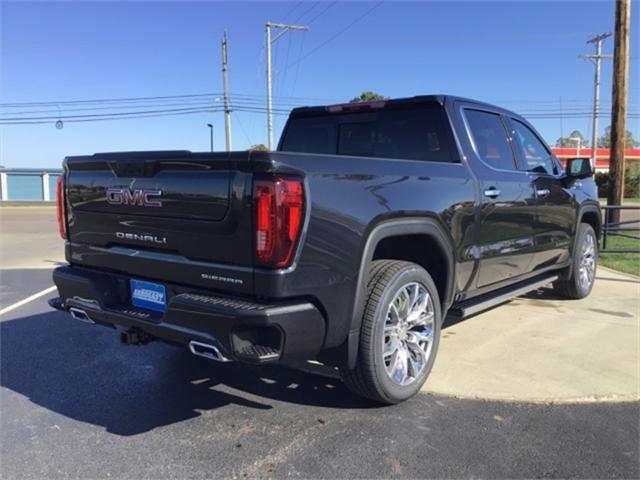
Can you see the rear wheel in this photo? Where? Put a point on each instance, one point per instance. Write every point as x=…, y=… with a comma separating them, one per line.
x=585, y=262
x=399, y=334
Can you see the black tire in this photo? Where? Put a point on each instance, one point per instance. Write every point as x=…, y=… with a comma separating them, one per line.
x=369, y=379
x=572, y=287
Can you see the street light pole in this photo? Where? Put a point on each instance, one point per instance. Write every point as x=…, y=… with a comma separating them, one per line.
x=210, y=134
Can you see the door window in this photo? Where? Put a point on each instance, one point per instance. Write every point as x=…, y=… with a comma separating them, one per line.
x=490, y=139
x=536, y=155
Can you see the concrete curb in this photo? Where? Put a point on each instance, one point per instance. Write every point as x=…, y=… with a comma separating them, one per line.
x=27, y=204
x=537, y=401
x=616, y=272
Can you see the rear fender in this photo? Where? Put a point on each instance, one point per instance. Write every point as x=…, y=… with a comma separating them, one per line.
x=386, y=229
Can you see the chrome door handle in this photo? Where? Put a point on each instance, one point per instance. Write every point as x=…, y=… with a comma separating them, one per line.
x=543, y=192
x=491, y=192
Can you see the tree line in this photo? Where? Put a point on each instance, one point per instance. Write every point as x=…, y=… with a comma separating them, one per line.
x=603, y=142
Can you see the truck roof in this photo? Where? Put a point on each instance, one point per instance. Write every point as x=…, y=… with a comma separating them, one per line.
x=415, y=100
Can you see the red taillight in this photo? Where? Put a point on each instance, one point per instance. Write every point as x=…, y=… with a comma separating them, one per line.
x=279, y=212
x=62, y=221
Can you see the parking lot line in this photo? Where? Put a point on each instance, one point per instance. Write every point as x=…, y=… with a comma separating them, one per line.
x=27, y=300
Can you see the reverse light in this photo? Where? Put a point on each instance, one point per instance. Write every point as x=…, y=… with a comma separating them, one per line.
x=62, y=221
x=279, y=204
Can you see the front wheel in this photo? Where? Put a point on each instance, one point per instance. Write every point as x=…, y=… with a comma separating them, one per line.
x=399, y=335
x=585, y=262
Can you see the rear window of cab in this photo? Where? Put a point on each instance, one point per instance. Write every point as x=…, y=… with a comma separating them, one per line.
x=420, y=133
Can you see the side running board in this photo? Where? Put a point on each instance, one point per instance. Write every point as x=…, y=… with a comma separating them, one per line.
x=484, y=302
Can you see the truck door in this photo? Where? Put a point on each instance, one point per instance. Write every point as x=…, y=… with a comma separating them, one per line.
x=556, y=210
x=505, y=244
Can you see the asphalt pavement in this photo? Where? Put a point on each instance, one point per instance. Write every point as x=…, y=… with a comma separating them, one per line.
x=74, y=403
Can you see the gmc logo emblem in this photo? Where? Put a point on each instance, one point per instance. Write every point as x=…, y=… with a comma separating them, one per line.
x=139, y=196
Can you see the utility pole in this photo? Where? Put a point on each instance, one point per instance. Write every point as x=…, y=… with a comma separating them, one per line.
x=619, y=106
x=596, y=59
x=285, y=28
x=225, y=87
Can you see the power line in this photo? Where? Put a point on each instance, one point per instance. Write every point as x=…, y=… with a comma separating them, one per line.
x=297, y=62
x=295, y=7
x=246, y=109
x=579, y=116
x=52, y=115
x=242, y=128
x=245, y=105
x=109, y=100
x=555, y=110
x=295, y=75
x=322, y=12
x=315, y=4
x=155, y=99
x=136, y=115
x=144, y=107
x=99, y=114
x=93, y=109
x=98, y=119
x=132, y=109
x=335, y=35
x=214, y=96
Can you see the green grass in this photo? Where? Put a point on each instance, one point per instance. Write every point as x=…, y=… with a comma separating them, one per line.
x=623, y=262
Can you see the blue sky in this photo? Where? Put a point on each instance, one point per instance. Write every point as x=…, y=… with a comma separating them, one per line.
x=521, y=55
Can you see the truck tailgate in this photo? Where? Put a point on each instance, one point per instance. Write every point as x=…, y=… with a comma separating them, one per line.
x=175, y=216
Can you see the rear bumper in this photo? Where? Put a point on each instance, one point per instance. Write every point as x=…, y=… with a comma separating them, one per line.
x=278, y=332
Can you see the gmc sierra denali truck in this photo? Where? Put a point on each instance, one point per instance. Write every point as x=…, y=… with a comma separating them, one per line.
x=348, y=245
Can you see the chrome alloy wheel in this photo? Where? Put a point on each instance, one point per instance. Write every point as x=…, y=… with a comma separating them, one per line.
x=587, y=268
x=408, y=333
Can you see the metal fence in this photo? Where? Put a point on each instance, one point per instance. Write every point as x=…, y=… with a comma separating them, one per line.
x=28, y=184
x=622, y=229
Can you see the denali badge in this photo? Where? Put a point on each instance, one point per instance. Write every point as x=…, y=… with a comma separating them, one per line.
x=139, y=196
x=141, y=238
x=220, y=278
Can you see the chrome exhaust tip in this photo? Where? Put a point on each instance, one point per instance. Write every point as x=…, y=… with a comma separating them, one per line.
x=80, y=314
x=207, y=350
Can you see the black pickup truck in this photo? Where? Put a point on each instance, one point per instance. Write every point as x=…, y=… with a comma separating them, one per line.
x=348, y=245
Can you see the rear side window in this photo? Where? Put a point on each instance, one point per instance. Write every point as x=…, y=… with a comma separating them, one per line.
x=411, y=134
x=535, y=153
x=490, y=139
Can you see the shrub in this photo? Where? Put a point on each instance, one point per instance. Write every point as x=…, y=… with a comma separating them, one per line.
x=631, y=181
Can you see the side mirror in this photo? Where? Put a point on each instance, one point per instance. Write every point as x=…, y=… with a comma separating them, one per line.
x=579, y=168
